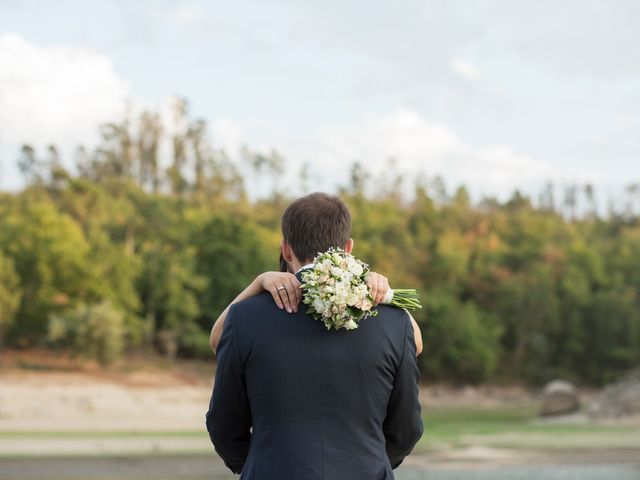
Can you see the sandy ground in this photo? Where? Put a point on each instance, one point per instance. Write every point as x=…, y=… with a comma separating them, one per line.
x=82, y=402
x=45, y=394
x=52, y=409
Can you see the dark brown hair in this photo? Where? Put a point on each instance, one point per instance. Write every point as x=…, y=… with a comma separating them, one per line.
x=315, y=223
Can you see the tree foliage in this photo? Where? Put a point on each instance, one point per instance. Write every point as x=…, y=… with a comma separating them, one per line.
x=10, y=294
x=131, y=252
x=94, y=331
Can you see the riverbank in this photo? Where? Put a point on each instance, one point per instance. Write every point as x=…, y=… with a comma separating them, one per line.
x=52, y=409
x=611, y=465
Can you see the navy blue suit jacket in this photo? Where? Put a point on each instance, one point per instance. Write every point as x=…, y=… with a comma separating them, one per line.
x=294, y=401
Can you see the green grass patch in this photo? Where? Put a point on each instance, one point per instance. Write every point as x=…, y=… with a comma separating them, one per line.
x=511, y=427
x=504, y=427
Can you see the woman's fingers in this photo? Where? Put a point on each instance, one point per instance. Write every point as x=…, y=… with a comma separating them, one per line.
x=374, y=293
x=273, y=290
x=292, y=291
x=273, y=282
x=289, y=292
x=372, y=283
x=383, y=287
x=288, y=296
x=378, y=286
x=284, y=288
x=379, y=293
x=295, y=292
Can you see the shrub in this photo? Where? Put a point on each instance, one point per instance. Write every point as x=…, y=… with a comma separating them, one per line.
x=92, y=331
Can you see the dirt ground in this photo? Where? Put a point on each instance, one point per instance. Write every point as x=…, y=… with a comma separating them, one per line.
x=54, y=406
x=42, y=392
x=39, y=393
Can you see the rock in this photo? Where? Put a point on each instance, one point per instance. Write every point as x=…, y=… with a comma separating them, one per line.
x=621, y=399
x=559, y=397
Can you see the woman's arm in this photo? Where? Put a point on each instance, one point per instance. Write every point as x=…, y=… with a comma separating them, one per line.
x=417, y=335
x=378, y=286
x=290, y=296
x=286, y=298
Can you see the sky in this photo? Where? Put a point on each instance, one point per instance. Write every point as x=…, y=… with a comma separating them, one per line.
x=493, y=94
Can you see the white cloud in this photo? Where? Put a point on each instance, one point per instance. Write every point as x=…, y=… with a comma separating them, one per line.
x=228, y=135
x=419, y=148
x=52, y=94
x=464, y=69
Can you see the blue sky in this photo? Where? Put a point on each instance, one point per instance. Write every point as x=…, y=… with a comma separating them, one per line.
x=494, y=94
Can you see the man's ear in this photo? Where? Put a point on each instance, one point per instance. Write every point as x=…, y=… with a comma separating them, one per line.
x=285, y=248
x=348, y=247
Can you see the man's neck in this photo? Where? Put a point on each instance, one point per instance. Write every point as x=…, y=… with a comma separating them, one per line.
x=295, y=265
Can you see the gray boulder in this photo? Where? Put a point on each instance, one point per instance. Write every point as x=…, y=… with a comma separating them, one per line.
x=559, y=397
x=621, y=399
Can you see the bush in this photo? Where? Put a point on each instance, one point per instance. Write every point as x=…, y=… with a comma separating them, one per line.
x=460, y=341
x=92, y=331
x=10, y=294
x=194, y=342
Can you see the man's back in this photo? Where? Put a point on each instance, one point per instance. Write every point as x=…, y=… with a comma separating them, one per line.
x=293, y=401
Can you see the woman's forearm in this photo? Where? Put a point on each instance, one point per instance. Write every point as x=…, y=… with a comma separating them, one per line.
x=284, y=289
x=417, y=335
x=254, y=288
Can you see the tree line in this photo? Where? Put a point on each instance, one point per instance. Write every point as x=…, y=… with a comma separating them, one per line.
x=126, y=254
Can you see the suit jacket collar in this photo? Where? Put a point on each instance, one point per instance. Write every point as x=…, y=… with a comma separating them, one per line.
x=302, y=269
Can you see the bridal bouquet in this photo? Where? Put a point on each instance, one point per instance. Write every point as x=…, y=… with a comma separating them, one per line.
x=336, y=292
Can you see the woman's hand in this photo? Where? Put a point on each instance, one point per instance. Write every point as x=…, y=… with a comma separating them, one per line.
x=284, y=287
x=378, y=286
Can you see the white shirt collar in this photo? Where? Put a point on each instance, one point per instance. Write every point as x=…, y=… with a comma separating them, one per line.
x=308, y=265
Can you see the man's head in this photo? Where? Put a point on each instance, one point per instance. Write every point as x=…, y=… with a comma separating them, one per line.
x=313, y=224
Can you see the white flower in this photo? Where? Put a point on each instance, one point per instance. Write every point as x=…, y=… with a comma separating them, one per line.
x=336, y=272
x=352, y=299
x=350, y=325
x=319, y=305
x=355, y=268
x=336, y=291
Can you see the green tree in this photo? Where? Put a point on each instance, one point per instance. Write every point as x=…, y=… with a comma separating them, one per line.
x=51, y=257
x=10, y=294
x=230, y=253
x=91, y=331
x=462, y=342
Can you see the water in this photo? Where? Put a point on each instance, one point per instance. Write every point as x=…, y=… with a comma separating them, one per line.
x=551, y=472
x=209, y=468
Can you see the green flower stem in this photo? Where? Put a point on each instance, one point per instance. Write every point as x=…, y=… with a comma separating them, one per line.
x=406, y=298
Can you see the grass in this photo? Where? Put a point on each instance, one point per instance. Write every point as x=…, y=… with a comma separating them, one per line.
x=502, y=427
x=517, y=428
